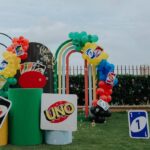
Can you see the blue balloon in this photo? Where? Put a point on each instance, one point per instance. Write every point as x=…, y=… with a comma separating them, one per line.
x=104, y=68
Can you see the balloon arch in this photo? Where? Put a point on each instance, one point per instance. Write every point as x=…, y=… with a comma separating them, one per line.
x=95, y=63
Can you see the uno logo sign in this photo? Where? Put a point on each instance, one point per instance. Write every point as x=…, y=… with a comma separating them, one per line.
x=59, y=111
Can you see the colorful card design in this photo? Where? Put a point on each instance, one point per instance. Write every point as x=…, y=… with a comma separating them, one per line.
x=32, y=66
x=19, y=50
x=110, y=78
x=25, y=67
x=3, y=64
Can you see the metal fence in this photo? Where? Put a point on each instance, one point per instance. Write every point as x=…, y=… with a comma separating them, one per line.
x=119, y=70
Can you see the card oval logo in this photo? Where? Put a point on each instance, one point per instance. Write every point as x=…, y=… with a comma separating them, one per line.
x=59, y=111
x=138, y=124
x=3, y=110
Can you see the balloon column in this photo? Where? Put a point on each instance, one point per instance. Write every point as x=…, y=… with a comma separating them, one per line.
x=107, y=79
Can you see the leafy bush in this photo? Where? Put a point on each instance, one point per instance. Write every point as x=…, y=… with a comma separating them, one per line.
x=131, y=90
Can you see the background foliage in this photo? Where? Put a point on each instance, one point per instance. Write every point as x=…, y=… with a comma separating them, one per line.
x=131, y=89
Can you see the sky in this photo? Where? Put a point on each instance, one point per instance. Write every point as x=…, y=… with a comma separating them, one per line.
x=121, y=25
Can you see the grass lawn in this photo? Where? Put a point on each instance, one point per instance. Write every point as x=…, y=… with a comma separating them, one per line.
x=112, y=135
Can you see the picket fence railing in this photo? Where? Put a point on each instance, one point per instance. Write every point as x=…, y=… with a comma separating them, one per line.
x=119, y=70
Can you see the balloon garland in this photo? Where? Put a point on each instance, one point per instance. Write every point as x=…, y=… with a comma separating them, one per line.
x=11, y=62
x=80, y=39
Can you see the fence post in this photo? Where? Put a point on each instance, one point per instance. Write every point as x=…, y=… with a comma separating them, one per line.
x=125, y=69
x=136, y=70
x=132, y=69
x=117, y=70
x=129, y=69
x=77, y=70
x=121, y=69
x=80, y=69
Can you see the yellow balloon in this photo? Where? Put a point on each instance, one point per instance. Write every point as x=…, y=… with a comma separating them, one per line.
x=13, y=64
x=93, y=53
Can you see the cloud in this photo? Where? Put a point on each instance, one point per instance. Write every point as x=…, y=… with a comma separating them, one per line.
x=122, y=26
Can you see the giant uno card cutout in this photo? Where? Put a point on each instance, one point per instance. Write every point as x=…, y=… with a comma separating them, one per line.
x=41, y=54
x=59, y=112
x=4, y=109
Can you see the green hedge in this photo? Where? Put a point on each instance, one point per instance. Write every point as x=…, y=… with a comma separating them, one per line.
x=131, y=90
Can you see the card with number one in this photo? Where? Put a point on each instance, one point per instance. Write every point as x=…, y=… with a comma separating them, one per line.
x=138, y=124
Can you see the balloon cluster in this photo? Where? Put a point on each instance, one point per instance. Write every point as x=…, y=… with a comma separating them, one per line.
x=107, y=79
x=11, y=66
x=98, y=111
x=19, y=46
x=104, y=91
x=106, y=72
x=98, y=114
x=80, y=39
x=93, y=53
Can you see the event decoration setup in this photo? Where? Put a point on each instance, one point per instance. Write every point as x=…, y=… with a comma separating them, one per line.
x=34, y=89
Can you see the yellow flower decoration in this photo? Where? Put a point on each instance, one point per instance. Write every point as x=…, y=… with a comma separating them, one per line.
x=13, y=65
x=93, y=53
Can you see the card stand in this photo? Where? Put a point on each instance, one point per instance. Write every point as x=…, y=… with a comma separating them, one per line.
x=4, y=133
x=24, y=119
x=58, y=137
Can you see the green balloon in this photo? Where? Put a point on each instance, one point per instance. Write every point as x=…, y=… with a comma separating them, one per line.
x=78, y=48
x=12, y=81
x=71, y=35
x=94, y=38
x=84, y=39
x=76, y=36
x=75, y=42
x=83, y=33
x=89, y=38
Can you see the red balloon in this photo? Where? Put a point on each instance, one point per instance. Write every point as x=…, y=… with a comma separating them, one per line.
x=108, y=92
x=103, y=97
x=101, y=84
x=94, y=103
x=99, y=91
x=108, y=86
x=109, y=98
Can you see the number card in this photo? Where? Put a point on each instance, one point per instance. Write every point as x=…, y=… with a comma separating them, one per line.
x=103, y=104
x=138, y=124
